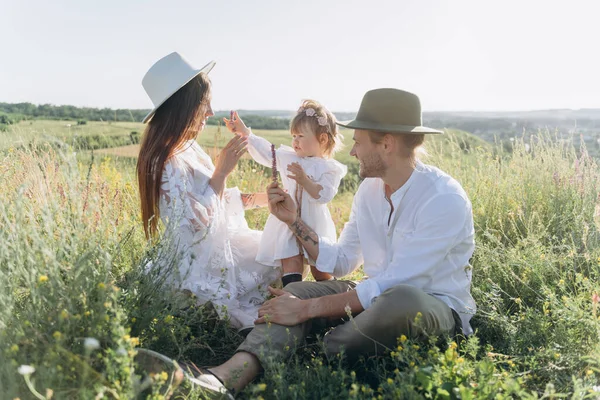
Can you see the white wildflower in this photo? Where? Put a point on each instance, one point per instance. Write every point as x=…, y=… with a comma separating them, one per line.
x=121, y=352
x=26, y=370
x=91, y=343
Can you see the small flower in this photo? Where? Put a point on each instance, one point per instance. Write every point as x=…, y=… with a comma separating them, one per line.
x=262, y=387
x=310, y=112
x=322, y=121
x=164, y=376
x=101, y=285
x=91, y=343
x=168, y=318
x=43, y=278
x=57, y=335
x=403, y=338
x=26, y=370
x=390, y=380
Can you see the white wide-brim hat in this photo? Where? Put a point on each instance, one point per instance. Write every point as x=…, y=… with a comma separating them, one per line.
x=167, y=76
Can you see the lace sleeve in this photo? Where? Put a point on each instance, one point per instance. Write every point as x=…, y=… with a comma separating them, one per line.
x=190, y=208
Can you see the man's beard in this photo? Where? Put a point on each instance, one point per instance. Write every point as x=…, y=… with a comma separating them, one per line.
x=372, y=167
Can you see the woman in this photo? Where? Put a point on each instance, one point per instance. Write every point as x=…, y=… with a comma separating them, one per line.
x=180, y=185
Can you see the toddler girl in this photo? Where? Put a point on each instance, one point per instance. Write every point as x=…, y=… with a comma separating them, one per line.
x=311, y=176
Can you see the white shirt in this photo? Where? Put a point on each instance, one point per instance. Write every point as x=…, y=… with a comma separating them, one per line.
x=426, y=242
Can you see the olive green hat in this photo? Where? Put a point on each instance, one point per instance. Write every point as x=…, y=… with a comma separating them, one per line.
x=389, y=110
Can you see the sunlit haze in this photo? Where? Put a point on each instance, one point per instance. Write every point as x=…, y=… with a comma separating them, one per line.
x=456, y=55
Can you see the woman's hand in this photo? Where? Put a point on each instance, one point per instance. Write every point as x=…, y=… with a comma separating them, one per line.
x=236, y=125
x=254, y=200
x=298, y=173
x=226, y=162
x=281, y=204
x=230, y=155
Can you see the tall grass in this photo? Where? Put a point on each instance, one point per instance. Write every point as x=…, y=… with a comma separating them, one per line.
x=71, y=265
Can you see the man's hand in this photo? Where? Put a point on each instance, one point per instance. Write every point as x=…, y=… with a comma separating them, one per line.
x=285, y=309
x=281, y=204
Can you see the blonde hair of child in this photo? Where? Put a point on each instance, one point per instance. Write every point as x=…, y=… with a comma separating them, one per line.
x=304, y=122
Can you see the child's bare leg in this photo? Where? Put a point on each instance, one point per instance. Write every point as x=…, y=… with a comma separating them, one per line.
x=292, y=269
x=318, y=275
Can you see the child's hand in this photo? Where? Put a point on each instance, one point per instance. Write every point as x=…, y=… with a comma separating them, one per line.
x=298, y=173
x=236, y=125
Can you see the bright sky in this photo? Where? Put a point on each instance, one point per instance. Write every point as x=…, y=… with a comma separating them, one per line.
x=455, y=54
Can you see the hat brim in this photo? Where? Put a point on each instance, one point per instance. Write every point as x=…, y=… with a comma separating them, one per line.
x=206, y=69
x=373, y=126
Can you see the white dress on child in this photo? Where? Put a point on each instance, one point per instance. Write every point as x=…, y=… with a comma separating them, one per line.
x=278, y=241
x=212, y=237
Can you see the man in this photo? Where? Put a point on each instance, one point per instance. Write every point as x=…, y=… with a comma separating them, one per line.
x=411, y=227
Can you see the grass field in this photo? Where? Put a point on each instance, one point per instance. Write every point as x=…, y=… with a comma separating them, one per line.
x=72, y=251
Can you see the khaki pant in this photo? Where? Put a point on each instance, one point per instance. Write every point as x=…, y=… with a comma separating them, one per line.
x=391, y=315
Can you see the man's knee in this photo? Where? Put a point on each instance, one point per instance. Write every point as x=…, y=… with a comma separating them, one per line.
x=402, y=294
x=298, y=289
x=413, y=312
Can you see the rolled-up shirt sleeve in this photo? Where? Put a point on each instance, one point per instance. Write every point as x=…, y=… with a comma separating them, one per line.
x=343, y=257
x=417, y=255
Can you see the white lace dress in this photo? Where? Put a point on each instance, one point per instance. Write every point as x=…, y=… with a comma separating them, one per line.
x=278, y=241
x=216, y=246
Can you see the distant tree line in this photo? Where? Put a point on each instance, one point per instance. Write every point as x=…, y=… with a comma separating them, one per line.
x=11, y=113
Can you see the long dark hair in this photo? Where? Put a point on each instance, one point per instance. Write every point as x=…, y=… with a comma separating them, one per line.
x=177, y=120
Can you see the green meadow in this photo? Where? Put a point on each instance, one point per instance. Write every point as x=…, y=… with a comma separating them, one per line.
x=72, y=252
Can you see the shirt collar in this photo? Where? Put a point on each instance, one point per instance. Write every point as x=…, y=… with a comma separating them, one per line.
x=397, y=196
